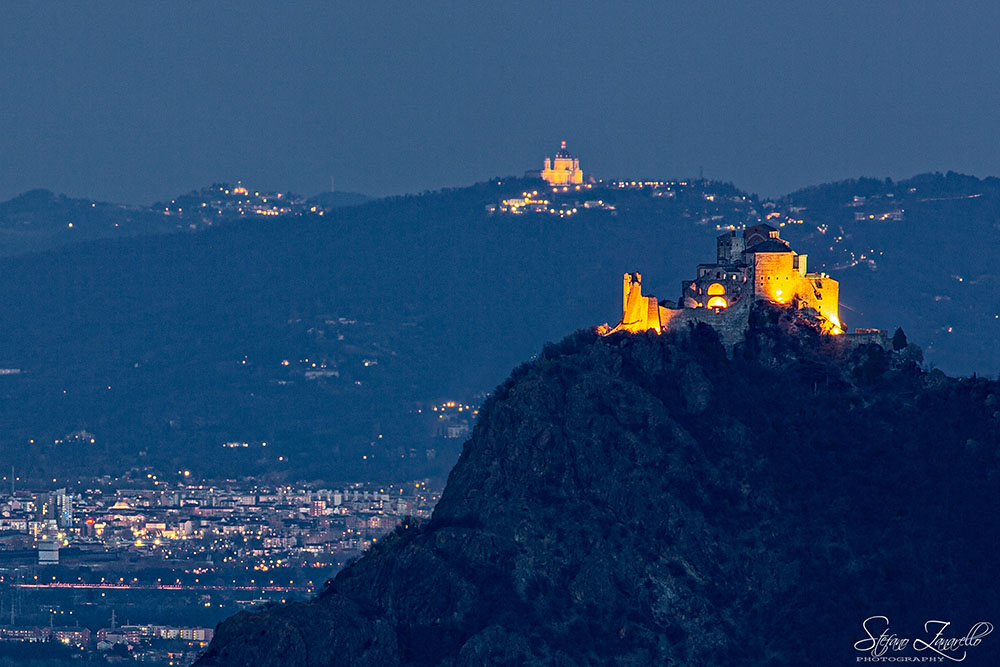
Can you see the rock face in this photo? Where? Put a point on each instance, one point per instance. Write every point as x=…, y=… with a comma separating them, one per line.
x=646, y=500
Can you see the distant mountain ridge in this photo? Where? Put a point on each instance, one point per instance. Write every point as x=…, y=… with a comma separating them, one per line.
x=338, y=199
x=40, y=219
x=408, y=300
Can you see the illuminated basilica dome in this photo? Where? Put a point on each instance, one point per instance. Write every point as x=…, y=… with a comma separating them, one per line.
x=564, y=169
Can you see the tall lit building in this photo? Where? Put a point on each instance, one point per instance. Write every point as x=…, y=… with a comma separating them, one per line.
x=564, y=169
x=61, y=504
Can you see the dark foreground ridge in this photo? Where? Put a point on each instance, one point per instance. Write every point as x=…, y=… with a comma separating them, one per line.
x=646, y=500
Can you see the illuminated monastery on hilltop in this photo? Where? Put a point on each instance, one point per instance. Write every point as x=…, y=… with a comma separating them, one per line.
x=755, y=265
x=564, y=169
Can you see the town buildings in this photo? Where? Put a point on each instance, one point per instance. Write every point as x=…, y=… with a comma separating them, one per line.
x=197, y=550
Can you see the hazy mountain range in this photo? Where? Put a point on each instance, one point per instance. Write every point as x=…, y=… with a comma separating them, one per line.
x=177, y=331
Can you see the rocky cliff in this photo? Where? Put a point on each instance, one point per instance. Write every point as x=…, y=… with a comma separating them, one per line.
x=647, y=500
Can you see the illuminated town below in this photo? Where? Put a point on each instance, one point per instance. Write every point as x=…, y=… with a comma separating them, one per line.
x=150, y=565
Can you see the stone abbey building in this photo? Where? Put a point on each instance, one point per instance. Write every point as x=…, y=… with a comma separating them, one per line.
x=750, y=266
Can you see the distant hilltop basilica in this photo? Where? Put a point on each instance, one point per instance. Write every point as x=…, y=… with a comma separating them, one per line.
x=752, y=266
x=563, y=169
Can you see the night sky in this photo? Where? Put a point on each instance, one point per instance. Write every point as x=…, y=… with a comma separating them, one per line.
x=137, y=102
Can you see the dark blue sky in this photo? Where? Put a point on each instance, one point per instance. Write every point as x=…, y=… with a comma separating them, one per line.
x=137, y=102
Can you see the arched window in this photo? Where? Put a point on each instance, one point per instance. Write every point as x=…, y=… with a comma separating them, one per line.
x=717, y=302
x=716, y=289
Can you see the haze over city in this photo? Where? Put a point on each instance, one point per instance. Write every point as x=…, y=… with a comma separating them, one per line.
x=137, y=103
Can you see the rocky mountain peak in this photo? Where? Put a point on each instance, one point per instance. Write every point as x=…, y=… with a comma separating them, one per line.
x=649, y=500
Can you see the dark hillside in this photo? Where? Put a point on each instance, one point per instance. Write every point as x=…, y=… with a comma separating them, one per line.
x=40, y=220
x=644, y=500
x=190, y=331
